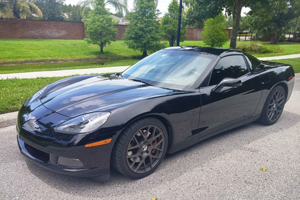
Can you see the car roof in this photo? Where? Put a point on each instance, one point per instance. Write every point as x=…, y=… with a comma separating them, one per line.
x=209, y=50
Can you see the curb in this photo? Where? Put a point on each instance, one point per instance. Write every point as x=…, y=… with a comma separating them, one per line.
x=8, y=116
x=60, y=73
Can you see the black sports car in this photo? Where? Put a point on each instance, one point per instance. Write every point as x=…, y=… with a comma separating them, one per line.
x=168, y=101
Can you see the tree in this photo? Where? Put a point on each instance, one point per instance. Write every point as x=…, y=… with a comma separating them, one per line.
x=296, y=9
x=143, y=33
x=169, y=24
x=119, y=5
x=19, y=9
x=52, y=9
x=100, y=26
x=270, y=20
x=74, y=14
x=213, y=34
x=204, y=9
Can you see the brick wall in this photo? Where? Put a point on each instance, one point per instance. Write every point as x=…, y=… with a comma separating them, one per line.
x=121, y=31
x=194, y=34
x=33, y=29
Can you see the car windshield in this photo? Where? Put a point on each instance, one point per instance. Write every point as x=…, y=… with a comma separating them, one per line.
x=175, y=69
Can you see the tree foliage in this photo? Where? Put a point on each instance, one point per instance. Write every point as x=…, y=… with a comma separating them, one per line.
x=19, y=9
x=120, y=6
x=169, y=24
x=296, y=9
x=73, y=12
x=272, y=20
x=204, y=9
x=213, y=33
x=52, y=9
x=143, y=33
x=100, y=26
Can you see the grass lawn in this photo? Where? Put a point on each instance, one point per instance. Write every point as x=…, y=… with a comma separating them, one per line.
x=14, y=92
x=294, y=62
x=19, y=50
x=62, y=66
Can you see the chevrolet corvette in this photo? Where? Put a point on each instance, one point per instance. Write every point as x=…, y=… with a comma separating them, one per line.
x=170, y=100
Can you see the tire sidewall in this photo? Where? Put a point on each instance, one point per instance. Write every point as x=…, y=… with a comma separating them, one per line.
x=264, y=115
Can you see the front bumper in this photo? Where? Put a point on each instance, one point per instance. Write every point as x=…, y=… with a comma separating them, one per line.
x=74, y=161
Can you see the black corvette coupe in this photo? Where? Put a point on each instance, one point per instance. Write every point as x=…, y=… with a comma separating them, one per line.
x=166, y=102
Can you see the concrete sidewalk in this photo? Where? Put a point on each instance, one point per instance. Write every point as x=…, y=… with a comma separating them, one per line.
x=281, y=57
x=64, y=72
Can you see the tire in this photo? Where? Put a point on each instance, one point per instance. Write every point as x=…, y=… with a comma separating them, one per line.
x=141, y=148
x=273, y=106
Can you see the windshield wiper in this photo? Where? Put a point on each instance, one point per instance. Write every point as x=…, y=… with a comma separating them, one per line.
x=141, y=81
x=116, y=75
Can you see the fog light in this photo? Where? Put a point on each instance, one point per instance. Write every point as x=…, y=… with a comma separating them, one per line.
x=70, y=162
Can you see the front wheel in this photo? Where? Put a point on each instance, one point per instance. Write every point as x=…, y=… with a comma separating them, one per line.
x=273, y=106
x=141, y=148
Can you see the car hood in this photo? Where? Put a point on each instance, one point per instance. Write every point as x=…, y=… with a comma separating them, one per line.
x=97, y=94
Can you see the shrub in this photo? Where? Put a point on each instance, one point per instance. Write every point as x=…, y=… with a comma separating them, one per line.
x=259, y=48
x=213, y=34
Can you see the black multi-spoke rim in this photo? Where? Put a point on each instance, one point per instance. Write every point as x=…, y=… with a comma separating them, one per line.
x=276, y=106
x=145, y=149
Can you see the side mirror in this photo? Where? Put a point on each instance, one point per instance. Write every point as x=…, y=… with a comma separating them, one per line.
x=227, y=82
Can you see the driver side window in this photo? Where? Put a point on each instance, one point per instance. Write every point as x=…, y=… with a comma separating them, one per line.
x=228, y=67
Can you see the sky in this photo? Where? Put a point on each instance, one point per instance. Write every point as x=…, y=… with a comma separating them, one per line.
x=162, y=5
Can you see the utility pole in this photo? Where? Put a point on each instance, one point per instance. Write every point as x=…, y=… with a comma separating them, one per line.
x=179, y=23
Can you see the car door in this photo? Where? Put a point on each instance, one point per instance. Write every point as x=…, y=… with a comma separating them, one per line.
x=232, y=104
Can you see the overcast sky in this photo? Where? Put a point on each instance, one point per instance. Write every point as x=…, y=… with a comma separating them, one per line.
x=162, y=5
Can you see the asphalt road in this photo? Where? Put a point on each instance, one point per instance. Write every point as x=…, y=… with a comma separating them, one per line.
x=226, y=166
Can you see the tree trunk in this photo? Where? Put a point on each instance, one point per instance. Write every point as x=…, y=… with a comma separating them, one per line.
x=171, y=43
x=274, y=38
x=236, y=22
x=101, y=47
x=144, y=53
x=295, y=31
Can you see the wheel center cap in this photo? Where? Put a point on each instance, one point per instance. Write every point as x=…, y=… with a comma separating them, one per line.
x=145, y=148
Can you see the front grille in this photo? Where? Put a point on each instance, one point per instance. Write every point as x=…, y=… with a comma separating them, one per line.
x=37, y=153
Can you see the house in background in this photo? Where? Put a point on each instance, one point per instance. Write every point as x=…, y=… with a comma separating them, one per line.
x=120, y=20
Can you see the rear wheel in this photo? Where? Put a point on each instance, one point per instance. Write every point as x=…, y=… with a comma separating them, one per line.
x=273, y=106
x=141, y=148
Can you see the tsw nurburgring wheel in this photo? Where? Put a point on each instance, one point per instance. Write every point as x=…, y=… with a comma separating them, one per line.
x=273, y=106
x=141, y=148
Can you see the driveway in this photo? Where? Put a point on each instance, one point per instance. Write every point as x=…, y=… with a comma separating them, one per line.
x=226, y=166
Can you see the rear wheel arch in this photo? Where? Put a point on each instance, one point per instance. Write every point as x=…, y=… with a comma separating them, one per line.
x=285, y=87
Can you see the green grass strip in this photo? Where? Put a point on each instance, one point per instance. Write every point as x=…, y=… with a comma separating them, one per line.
x=295, y=62
x=6, y=69
x=19, y=50
x=14, y=92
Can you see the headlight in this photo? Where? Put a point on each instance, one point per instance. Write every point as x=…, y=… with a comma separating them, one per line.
x=84, y=123
x=36, y=95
